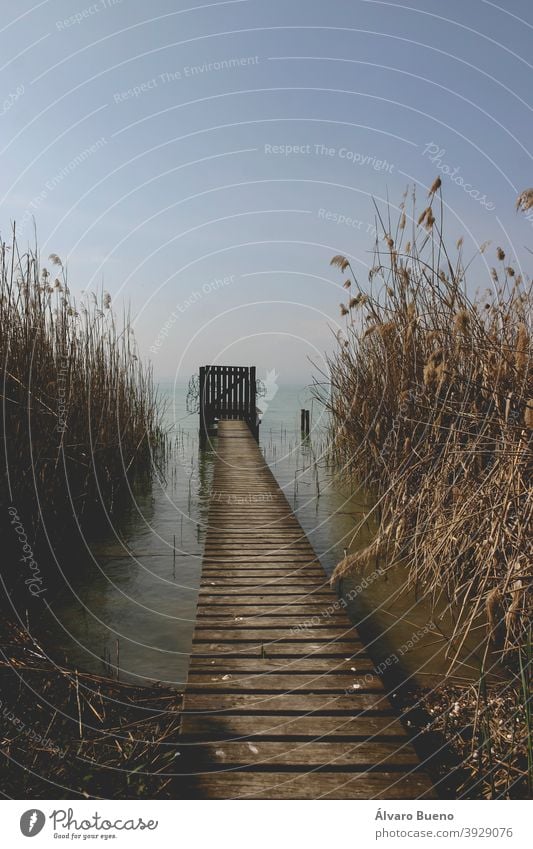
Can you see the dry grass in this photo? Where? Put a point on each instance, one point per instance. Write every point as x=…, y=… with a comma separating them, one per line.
x=431, y=397
x=79, y=411
x=67, y=734
x=489, y=727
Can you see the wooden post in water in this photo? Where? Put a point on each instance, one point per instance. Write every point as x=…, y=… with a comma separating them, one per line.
x=203, y=430
x=304, y=422
x=254, y=420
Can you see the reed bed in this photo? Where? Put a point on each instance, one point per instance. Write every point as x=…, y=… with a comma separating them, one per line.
x=80, y=417
x=431, y=397
x=490, y=729
x=67, y=734
x=430, y=392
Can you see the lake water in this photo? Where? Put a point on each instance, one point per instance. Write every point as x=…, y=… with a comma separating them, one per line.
x=131, y=603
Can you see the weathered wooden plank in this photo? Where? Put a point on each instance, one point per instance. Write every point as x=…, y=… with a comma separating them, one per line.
x=221, y=598
x=247, y=572
x=306, y=584
x=233, y=567
x=254, y=559
x=328, y=704
x=238, y=522
x=266, y=572
x=283, y=683
x=238, y=620
x=327, y=636
x=273, y=649
x=267, y=548
x=260, y=509
x=301, y=611
x=267, y=534
x=299, y=570
x=313, y=785
x=378, y=756
x=249, y=501
x=294, y=665
x=304, y=594
x=252, y=555
x=299, y=588
x=280, y=539
x=314, y=727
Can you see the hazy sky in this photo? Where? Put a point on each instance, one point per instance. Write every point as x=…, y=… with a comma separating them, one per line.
x=200, y=160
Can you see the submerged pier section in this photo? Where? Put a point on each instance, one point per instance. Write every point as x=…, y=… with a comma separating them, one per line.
x=281, y=700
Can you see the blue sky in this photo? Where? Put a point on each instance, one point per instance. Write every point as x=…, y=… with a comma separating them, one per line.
x=195, y=159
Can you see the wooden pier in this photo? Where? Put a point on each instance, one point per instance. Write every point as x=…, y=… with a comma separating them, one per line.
x=281, y=700
x=227, y=392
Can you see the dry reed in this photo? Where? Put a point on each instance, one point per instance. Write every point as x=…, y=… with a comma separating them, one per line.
x=79, y=411
x=431, y=397
x=67, y=734
x=430, y=392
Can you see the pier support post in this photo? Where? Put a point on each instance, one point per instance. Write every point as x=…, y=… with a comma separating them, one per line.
x=203, y=425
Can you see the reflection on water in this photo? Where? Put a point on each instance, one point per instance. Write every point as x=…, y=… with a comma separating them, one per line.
x=132, y=603
x=133, y=595
x=400, y=628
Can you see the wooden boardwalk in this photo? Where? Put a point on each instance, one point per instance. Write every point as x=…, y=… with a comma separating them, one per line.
x=281, y=699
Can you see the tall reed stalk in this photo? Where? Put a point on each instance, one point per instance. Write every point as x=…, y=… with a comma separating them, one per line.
x=430, y=391
x=79, y=411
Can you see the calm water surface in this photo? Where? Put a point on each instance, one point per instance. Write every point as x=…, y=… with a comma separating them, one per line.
x=132, y=606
